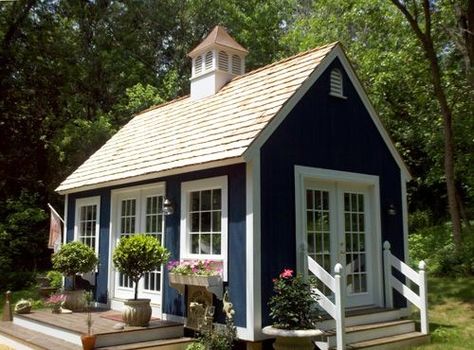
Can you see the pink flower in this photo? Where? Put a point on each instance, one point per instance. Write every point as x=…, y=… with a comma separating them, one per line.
x=287, y=273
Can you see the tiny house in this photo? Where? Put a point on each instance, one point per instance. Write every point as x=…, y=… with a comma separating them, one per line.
x=285, y=166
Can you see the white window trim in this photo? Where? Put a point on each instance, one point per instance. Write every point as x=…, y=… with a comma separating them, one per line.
x=201, y=185
x=81, y=202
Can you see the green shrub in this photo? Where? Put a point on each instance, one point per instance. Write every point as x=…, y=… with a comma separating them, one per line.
x=55, y=279
x=73, y=258
x=137, y=254
x=436, y=247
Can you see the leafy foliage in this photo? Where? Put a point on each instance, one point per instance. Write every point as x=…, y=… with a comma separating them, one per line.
x=290, y=304
x=137, y=254
x=55, y=279
x=73, y=258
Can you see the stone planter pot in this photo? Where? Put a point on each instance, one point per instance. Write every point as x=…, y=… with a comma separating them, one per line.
x=74, y=300
x=299, y=339
x=136, y=312
x=212, y=283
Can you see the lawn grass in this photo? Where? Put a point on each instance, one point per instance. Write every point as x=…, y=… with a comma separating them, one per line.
x=451, y=313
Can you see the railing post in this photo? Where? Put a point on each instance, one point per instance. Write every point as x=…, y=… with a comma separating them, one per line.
x=423, y=298
x=340, y=307
x=7, y=307
x=387, y=273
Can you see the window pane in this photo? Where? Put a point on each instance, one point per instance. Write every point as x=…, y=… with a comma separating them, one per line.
x=206, y=200
x=195, y=244
x=309, y=199
x=216, y=221
x=216, y=244
x=195, y=222
x=216, y=199
x=195, y=201
x=206, y=244
x=206, y=222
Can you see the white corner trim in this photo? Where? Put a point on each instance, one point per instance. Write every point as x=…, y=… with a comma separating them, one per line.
x=253, y=250
x=336, y=52
x=219, y=182
x=403, y=183
x=66, y=206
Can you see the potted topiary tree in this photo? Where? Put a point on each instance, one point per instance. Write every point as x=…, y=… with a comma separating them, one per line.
x=134, y=256
x=74, y=258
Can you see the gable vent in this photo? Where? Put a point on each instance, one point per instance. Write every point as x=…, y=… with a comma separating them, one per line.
x=236, y=64
x=198, y=65
x=223, y=61
x=208, y=60
x=336, y=83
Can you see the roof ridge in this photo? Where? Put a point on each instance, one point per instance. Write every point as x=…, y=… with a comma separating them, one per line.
x=300, y=54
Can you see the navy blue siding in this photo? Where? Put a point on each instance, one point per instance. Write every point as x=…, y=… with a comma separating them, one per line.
x=324, y=132
x=173, y=303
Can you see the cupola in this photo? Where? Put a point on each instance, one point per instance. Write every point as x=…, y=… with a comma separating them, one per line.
x=216, y=60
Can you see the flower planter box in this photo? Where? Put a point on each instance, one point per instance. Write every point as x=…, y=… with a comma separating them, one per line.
x=212, y=283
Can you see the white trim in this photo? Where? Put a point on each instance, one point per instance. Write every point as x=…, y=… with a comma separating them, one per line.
x=336, y=52
x=253, y=251
x=219, y=182
x=82, y=202
x=319, y=174
x=153, y=175
x=66, y=206
x=403, y=182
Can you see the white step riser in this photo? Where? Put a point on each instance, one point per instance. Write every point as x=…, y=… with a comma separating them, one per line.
x=363, y=319
x=50, y=330
x=369, y=334
x=399, y=345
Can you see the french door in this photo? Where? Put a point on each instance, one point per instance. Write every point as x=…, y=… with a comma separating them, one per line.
x=139, y=211
x=337, y=228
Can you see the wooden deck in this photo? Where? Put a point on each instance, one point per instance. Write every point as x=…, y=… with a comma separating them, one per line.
x=76, y=322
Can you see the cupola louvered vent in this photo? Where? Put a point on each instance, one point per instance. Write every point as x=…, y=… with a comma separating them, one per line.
x=198, y=65
x=223, y=61
x=336, y=88
x=209, y=60
x=236, y=64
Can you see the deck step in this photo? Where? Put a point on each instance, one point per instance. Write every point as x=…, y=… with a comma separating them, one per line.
x=34, y=339
x=363, y=316
x=168, y=344
x=399, y=341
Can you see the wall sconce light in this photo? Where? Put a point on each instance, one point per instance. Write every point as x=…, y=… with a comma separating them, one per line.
x=391, y=210
x=168, y=208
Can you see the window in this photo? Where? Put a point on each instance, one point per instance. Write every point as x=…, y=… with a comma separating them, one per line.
x=209, y=60
x=223, y=61
x=87, y=222
x=198, y=65
x=236, y=64
x=336, y=87
x=204, y=220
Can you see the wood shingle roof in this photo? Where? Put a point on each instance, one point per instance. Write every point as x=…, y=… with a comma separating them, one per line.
x=187, y=132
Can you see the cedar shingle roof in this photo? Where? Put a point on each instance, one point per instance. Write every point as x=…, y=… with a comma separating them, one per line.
x=187, y=132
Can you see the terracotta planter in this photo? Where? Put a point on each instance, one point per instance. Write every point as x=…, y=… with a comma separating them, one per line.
x=74, y=300
x=136, y=312
x=88, y=341
x=299, y=339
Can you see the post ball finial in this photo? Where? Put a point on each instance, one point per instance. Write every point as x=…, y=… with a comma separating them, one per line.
x=386, y=245
x=422, y=265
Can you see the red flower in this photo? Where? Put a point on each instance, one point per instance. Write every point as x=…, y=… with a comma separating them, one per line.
x=287, y=273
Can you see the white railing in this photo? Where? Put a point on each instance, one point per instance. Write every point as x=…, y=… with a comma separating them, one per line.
x=420, y=300
x=336, y=285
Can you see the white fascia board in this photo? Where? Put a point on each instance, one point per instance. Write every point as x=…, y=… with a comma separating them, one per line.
x=336, y=52
x=154, y=175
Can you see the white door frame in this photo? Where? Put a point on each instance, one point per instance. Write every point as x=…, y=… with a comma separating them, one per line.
x=140, y=192
x=303, y=173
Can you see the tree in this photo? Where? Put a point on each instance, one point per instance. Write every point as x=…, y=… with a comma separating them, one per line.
x=423, y=12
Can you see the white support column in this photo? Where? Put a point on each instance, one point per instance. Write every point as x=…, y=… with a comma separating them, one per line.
x=423, y=298
x=340, y=307
x=387, y=274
